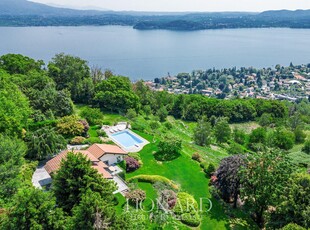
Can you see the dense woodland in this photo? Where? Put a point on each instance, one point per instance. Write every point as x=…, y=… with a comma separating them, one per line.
x=38, y=117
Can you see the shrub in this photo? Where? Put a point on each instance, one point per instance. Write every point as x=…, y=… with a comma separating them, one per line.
x=284, y=139
x=77, y=140
x=239, y=136
x=235, y=148
x=196, y=157
x=306, y=147
x=70, y=126
x=101, y=133
x=209, y=170
x=153, y=179
x=136, y=156
x=93, y=115
x=139, y=126
x=85, y=126
x=292, y=226
x=131, y=114
x=92, y=140
x=135, y=196
x=131, y=164
x=266, y=119
x=154, y=125
x=300, y=135
x=168, y=148
x=204, y=164
x=168, y=199
x=168, y=125
x=188, y=214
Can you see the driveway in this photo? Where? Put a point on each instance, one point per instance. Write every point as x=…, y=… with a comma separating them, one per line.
x=121, y=185
x=41, y=177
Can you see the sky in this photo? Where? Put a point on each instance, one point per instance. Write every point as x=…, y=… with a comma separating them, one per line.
x=182, y=5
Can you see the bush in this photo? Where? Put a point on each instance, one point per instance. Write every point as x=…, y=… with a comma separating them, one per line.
x=168, y=199
x=300, y=135
x=153, y=179
x=188, y=214
x=135, y=196
x=70, y=126
x=306, y=147
x=136, y=156
x=284, y=139
x=168, y=148
x=93, y=140
x=209, y=170
x=154, y=125
x=265, y=120
x=196, y=157
x=101, y=133
x=77, y=140
x=292, y=226
x=204, y=164
x=131, y=164
x=139, y=126
x=131, y=114
x=235, y=149
x=168, y=125
x=93, y=115
x=239, y=136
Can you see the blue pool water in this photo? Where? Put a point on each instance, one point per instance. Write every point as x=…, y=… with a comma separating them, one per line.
x=126, y=139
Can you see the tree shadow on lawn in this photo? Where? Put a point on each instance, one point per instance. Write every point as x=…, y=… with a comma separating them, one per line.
x=217, y=212
x=162, y=156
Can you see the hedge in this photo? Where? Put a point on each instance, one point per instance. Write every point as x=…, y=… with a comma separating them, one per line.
x=184, y=210
x=153, y=179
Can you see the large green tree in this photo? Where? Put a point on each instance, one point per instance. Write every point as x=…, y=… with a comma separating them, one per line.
x=222, y=131
x=72, y=73
x=43, y=143
x=203, y=132
x=19, y=64
x=295, y=207
x=263, y=181
x=116, y=94
x=14, y=107
x=75, y=177
x=12, y=152
x=34, y=209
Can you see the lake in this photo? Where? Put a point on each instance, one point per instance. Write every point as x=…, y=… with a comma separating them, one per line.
x=154, y=53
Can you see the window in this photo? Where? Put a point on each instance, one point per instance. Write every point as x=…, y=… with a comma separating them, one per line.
x=119, y=159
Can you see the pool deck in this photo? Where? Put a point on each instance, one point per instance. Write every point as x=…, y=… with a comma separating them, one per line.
x=131, y=149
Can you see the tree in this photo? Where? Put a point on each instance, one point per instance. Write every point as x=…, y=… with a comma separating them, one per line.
x=116, y=94
x=44, y=143
x=222, y=131
x=74, y=178
x=296, y=203
x=168, y=148
x=72, y=73
x=228, y=178
x=264, y=179
x=93, y=115
x=14, y=107
x=70, y=126
x=266, y=119
x=162, y=113
x=131, y=164
x=19, y=64
x=202, y=132
x=283, y=139
x=306, y=147
x=12, y=152
x=239, y=136
x=34, y=209
x=93, y=212
x=257, y=136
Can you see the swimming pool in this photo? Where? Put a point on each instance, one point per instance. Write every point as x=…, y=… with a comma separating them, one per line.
x=126, y=139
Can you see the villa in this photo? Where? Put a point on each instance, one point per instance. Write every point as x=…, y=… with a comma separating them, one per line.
x=103, y=158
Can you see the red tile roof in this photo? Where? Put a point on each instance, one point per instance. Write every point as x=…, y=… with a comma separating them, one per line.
x=98, y=150
x=54, y=164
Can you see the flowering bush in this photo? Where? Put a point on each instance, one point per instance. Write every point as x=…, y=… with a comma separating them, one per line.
x=168, y=199
x=135, y=196
x=131, y=164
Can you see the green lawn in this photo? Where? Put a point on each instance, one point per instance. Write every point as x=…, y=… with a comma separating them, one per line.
x=183, y=171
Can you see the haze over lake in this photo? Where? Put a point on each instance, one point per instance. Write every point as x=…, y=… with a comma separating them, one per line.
x=154, y=53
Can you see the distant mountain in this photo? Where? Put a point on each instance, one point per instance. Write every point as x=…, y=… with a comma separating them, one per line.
x=287, y=14
x=26, y=13
x=23, y=7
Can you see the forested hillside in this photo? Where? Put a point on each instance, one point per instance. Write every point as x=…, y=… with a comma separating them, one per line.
x=250, y=157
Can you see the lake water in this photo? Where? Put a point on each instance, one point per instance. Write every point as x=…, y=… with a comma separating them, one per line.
x=150, y=54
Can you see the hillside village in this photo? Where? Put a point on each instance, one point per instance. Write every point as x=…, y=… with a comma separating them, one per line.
x=290, y=83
